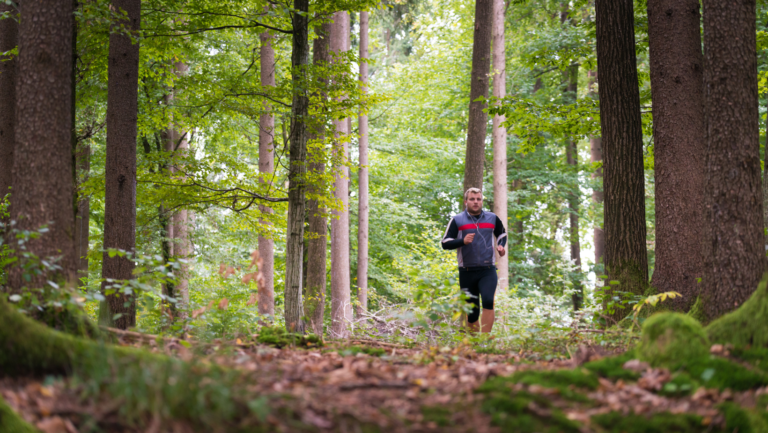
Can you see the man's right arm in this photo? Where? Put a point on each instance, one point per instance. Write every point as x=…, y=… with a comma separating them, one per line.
x=449, y=238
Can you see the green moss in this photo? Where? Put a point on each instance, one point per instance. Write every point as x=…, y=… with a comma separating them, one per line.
x=512, y=411
x=756, y=356
x=563, y=380
x=612, y=367
x=738, y=419
x=746, y=326
x=697, y=310
x=681, y=384
x=669, y=337
x=437, y=414
x=660, y=422
x=278, y=337
x=720, y=373
x=354, y=350
x=11, y=422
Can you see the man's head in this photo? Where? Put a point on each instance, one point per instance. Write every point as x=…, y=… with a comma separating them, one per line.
x=473, y=200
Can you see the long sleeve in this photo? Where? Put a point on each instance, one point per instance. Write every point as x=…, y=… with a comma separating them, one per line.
x=500, y=232
x=449, y=238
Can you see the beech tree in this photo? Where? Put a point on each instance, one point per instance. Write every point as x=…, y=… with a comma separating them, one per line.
x=362, y=210
x=679, y=129
x=42, y=163
x=595, y=156
x=9, y=34
x=120, y=171
x=267, y=169
x=341, y=305
x=735, y=252
x=500, y=135
x=478, y=118
x=626, y=258
x=294, y=254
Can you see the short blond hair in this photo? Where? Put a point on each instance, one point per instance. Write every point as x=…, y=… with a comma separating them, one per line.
x=472, y=191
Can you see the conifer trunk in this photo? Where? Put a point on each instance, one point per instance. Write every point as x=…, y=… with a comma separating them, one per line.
x=735, y=256
x=679, y=133
x=294, y=255
x=362, y=210
x=314, y=303
x=266, y=169
x=120, y=171
x=9, y=35
x=500, y=136
x=478, y=118
x=626, y=258
x=341, y=305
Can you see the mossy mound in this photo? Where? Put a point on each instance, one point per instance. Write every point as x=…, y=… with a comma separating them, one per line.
x=747, y=325
x=522, y=412
x=669, y=337
x=278, y=337
x=564, y=381
x=11, y=422
x=720, y=373
x=616, y=422
x=613, y=367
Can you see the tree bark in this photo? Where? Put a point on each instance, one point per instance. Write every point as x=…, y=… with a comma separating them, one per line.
x=82, y=218
x=679, y=129
x=626, y=257
x=42, y=164
x=267, y=169
x=362, y=209
x=478, y=118
x=341, y=305
x=294, y=254
x=735, y=245
x=181, y=220
x=596, y=155
x=9, y=36
x=572, y=159
x=500, y=136
x=120, y=170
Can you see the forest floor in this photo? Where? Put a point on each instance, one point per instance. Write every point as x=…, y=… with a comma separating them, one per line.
x=375, y=386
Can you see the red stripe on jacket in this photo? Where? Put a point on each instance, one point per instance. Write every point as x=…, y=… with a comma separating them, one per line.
x=481, y=225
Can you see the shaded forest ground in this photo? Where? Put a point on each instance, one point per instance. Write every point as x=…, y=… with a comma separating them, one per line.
x=372, y=386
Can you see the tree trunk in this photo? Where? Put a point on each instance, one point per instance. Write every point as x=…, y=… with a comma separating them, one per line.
x=362, y=210
x=596, y=155
x=294, y=253
x=572, y=159
x=120, y=170
x=267, y=169
x=341, y=305
x=500, y=136
x=626, y=257
x=478, y=118
x=679, y=145
x=765, y=173
x=314, y=303
x=181, y=221
x=735, y=257
x=42, y=164
x=82, y=218
x=9, y=35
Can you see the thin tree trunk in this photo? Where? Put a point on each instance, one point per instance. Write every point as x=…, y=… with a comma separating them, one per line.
x=500, y=135
x=341, y=305
x=626, y=257
x=572, y=159
x=120, y=171
x=735, y=258
x=596, y=155
x=679, y=133
x=478, y=118
x=9, y=35
x=82, y=218
x=267, y=169
x=314, y=303
x=42, y=164
x=181, y=221
x=362, y=211
x=294, y=254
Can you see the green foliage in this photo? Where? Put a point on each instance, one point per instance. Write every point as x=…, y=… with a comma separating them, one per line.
x=739, y=327
x=668, y=337
x=277, y=336
x=659, y=422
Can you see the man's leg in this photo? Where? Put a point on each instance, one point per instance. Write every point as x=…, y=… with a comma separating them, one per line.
x=487, y=286
x=486, y=320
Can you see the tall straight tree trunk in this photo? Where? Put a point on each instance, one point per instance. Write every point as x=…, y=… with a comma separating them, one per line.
x=595, y=156
x=765, y=173
x=626, y=257
x=735, y=245
x=181, y=220
x=120, y=170
x=341, y=305
x=82, y=217
x=679, y=133
x=314, y=303
x=500, y=135
x=572, y=159
x=362, y=210
x=267, y=169
x=294, y=254
x=9, y=36
x=478, y=118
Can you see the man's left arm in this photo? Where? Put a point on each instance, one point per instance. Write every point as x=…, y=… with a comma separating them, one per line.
x=501, y=237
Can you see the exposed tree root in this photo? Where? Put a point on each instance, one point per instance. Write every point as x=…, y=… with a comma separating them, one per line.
x=747, y=325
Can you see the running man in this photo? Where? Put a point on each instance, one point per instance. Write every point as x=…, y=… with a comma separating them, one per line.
x=477, y=235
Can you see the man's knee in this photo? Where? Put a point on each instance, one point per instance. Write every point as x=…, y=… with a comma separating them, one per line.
x=473, y=315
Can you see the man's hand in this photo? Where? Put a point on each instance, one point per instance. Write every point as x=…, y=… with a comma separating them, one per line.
x=469, y=238
x=501, y=251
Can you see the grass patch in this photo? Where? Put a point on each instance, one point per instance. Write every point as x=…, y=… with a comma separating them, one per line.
x=616, y=422
x=612, y=367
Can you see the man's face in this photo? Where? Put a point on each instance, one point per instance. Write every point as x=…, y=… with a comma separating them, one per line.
x=474, y=202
